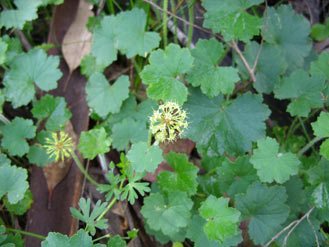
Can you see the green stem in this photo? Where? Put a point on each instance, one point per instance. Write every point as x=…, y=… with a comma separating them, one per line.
x=191, y=20
x=305, y=132
x=175, y=22
x=164, y=22
x=308, y=146
x=132, y=3
x=110, y=6
x=149, y=142
x=82, y=169
x=107, y=209
x=26, y=233
x=5, y=67
x=292, y=127
x=102, y=237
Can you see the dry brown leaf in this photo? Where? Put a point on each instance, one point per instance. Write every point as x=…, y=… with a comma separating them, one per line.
x=56, y=171
x=77, y=40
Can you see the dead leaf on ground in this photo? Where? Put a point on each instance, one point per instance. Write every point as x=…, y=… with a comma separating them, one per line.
x=56, y=171
x=77, y=40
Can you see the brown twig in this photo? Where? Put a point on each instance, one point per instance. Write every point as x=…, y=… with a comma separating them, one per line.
x=297, y=223
x=293, y=224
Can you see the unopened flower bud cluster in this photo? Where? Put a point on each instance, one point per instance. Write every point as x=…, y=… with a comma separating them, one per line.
x=168, y=122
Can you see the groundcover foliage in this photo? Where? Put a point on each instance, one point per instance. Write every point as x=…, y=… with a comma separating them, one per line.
x=253, y=180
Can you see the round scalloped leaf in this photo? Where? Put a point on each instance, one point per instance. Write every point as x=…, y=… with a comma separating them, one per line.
x=162, y=73
x=105, y=98
x=272, y=165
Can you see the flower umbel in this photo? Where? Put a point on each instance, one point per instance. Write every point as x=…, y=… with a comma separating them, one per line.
x=59, y=145
x=168, y=122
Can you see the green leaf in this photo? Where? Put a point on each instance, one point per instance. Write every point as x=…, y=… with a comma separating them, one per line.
x=305, y=92
x=222, y=221
x=128, y=130
x=113, y=187
x=27, y=69
x=16, y=18
x=53, y=108
x=14, y=48
x=94, y=142
x=231, y=19
x=162, y=73
x=116, y=241
x=90, y=217
x=80, y=239
x=292, y=40
x=296, y=194
x=105, y=98
x=269, y=67
x=321, y=129
x=131, y=37
x=196, y=233
x=129, y=191
x=235, y=177
x=13, y=182
x=320, y=31
x=89, y=65
x=167, y=214
x=319, y=68
x=15, y=135
x=37, y=155
x=22, y=205
x=217, y=127
x=271, y=164
x=184, y=177
x=265, y=209
x=212, y=79
x=144, y=158
x=320, y=196
x=3, y=49
x=103, y=47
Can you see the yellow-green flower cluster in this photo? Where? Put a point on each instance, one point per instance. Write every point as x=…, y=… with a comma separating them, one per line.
x=59, y=145
x=168, y=122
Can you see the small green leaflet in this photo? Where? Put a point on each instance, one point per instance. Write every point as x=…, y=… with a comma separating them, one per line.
x=320, y=31
x=143, y=158
x=212, y=79
x=25, y=11
x=14, y=48
x=321, y=130
x=15, y=135
x=319, y=173
x=27, y=69
x=184, y=177
x=90, y=218
x=222, y=220
x=162, y=73
x=113, y=187
x=305, y=92
x=105, y=98
x=80, y=239
x=129, y=191
x=167, y=214
x=292, y=40
x=129, y=130
x=13, y=182
x=94, y=142
x=116, y=241
x=21, y=207
x=231, y=18
x=265, y=209
x=103, y=46
x=269, y=67
x=216, y=127
x=89, y=65
x=131, y=37
x=272, y=165
x=53, y=108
